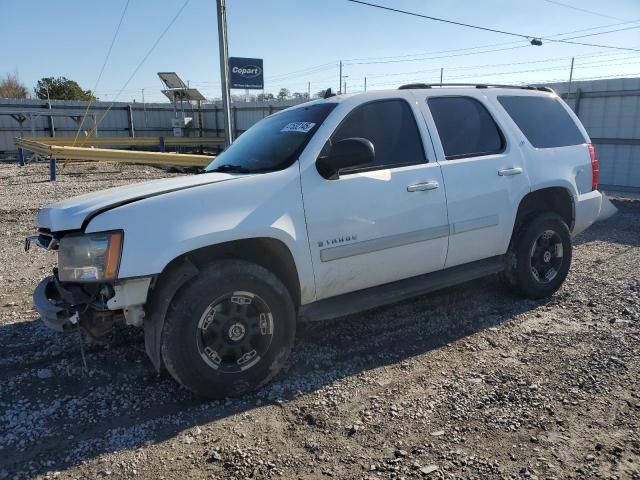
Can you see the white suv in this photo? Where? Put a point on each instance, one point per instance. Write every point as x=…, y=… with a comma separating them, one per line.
x=327, y=208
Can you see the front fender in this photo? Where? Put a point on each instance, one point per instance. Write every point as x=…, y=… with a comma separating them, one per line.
x=160, y=229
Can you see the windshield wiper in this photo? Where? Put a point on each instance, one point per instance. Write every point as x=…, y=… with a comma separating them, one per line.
x=230, y=168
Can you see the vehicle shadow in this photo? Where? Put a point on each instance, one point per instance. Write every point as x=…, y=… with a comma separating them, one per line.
x=55, y=417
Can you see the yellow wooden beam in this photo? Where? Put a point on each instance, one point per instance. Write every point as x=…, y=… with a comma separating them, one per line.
x=63, y=152
x=128, y=141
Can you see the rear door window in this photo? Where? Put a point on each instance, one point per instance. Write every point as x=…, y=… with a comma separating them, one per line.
x=465, y=127
x=543, y=120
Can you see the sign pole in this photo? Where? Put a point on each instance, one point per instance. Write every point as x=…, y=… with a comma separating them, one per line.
x=224, y=70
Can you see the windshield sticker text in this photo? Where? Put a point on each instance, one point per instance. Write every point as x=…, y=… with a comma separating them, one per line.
x=302, y=127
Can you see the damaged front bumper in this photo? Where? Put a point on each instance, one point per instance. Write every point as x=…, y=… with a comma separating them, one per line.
x=95, y=306
x=54, y=311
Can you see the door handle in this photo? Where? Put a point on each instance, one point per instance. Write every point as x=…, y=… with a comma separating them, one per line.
x=510, y=171
x=421, y=187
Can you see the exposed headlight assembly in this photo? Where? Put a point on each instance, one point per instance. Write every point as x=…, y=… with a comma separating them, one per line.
x=91, y=257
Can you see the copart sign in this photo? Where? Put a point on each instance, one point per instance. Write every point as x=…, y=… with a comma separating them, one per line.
x=246, y=73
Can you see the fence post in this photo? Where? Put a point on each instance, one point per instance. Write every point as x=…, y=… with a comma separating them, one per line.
x=576, y=105
x=235, y=123
x=21, y=157
x=52, y=169
x=162, y=144
x=132, y=132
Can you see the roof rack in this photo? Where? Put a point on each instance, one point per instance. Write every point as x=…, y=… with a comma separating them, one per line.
x=412, y=86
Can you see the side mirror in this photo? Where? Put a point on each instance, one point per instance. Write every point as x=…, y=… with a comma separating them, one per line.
x=346, y=153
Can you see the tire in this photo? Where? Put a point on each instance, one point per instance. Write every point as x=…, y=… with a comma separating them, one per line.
x=229, y=330
x=539, y=257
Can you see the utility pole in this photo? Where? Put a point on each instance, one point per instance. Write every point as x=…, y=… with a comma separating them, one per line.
x=340, y=82
x=308, y=90
x=441, y=74
x=345, y=86
x=570, y=79
x=365, y=84
x=224, y=71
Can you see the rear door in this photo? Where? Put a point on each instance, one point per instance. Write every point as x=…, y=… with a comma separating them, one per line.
x=484, y=174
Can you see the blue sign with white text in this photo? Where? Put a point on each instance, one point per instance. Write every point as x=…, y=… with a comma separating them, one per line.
x=246, y=73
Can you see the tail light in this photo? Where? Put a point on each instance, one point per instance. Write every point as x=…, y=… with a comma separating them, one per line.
x=595, y=167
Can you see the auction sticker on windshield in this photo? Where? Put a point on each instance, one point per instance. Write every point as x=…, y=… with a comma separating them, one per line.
x=302, y=127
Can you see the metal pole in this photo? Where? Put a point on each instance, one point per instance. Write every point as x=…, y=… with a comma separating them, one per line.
x=132, y=132
x=345, y=86
x=365, y=84
x=441, y=74
x=52, y=132
x=340, y=83
x=144, y=107
x=224, y=70
x=570, y=80
x=21, y=157
x=52, y=126
x=308, y=90
x=52, y=169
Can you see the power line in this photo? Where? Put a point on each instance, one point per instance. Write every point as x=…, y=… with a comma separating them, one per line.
x=603, y=33
x=472, y=67
x=477, y=27
x=104, y=64
x=488, y=45
x=591, y=44
x=582, y=9
x=144, y=59
x=436, y=19
x=594, y=64
x=305, y=70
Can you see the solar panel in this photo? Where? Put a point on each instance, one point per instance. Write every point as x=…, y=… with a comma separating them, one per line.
x=185, y=94
x=172, y=80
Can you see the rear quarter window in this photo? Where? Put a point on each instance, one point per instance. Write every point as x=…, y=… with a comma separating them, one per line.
x=543, y=120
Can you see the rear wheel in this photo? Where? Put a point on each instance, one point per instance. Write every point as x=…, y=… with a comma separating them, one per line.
x=230, y=330
x=539, y=256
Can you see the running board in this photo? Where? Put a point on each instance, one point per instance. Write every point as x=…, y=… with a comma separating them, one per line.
x=378, y=296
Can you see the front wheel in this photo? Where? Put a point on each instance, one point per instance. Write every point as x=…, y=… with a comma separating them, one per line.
x=228, y=331
x=539, y=257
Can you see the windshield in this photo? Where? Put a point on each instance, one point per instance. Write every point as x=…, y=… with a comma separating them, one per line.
x=273, y=143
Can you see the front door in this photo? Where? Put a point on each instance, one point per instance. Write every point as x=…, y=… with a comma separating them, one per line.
x=380, y=222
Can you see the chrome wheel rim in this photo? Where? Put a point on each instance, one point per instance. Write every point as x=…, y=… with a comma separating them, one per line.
x=235, y=332
x=546, y=257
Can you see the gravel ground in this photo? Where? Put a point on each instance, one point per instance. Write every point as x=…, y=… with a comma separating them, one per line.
x=470, y=382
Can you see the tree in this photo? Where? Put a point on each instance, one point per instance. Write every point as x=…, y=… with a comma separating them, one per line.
x=11, y=87
x=61, y=88
x=301, y=96
x=283, y=94
x=320, y=94
x=265, y=97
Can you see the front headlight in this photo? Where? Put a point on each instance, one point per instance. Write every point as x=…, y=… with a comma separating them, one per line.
x=89, y=257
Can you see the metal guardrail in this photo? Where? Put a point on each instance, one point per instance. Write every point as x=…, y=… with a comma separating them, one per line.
x=64, y=152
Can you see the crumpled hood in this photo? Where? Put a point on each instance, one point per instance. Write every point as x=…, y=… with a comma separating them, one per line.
x=72, y=213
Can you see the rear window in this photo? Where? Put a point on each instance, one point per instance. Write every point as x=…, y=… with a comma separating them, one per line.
x=543, y=120
x=465, y=127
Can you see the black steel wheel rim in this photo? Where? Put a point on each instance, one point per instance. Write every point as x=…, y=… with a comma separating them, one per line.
x=235, y=332
x=546, y=256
